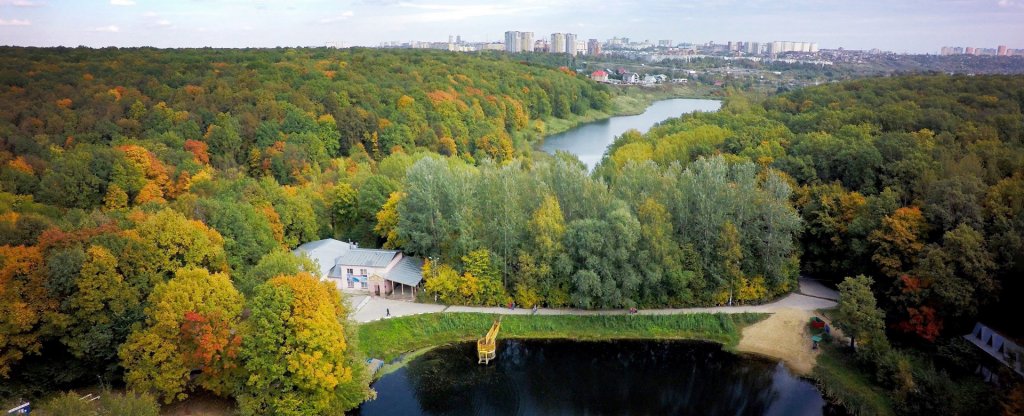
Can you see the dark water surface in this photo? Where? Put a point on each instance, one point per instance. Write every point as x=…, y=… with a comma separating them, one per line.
x=535, y=377
x=589, y=141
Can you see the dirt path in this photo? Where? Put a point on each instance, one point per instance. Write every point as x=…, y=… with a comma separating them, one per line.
x=783, y=336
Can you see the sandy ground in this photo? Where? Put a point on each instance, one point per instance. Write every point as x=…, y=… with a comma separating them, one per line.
x=783, y=336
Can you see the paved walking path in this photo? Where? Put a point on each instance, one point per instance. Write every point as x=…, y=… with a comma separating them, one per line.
x=812, y=295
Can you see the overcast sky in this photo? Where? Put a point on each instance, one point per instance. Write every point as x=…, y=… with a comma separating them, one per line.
x=899, y=25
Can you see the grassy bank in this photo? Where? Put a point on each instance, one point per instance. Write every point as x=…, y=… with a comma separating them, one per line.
x=842, y=382
x=628, y=100
x=389, y=338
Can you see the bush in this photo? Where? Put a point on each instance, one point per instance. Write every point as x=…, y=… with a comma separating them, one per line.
x=68, y=404
x=129, y=404
x=109, y=404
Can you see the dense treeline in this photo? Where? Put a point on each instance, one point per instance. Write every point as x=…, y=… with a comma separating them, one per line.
x=148, y=199
x=711, y=233
x=917, y=182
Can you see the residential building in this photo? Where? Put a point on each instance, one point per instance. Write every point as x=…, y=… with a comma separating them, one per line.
x=1002, y=50
x=570, y=43
x=593, y=47
x=599, y=76
x=513, y=42
x=355, y=269
x=526, y=42
x=557, y=43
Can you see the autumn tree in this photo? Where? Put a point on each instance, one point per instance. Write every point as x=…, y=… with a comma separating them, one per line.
x=181, y=242
x=25, y=305
x=189, y=338
x=899, y=241
x=295, y=351
x=387, y=221
x=103, y=307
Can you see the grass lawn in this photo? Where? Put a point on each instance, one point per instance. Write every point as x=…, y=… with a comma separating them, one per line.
x=841, y=381
x=390, y=338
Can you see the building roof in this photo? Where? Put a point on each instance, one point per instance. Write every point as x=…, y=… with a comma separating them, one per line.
x=408, y=271
x=323, y=252
x=331, y=254
x=599, y=73
x=998, y=346
x=366, y=257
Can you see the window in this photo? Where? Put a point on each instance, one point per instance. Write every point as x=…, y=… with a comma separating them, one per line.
x=349, y=272
x=363, y=284
x=362, y=272
x=350, y=283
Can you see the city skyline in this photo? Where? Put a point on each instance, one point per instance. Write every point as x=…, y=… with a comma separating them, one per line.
x=915, y=26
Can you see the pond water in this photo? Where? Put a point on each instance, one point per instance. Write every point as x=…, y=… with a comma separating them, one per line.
x=562, y=377
x=589, y=141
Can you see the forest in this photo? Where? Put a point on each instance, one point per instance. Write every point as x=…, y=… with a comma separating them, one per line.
x=149, y=200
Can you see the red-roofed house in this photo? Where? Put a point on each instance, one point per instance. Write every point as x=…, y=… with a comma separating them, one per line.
x=599, y=76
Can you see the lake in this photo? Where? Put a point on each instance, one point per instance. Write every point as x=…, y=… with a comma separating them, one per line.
x=563, y=377
x=589, y=141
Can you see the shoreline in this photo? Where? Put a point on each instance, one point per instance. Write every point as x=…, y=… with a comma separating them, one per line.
x=631, y=100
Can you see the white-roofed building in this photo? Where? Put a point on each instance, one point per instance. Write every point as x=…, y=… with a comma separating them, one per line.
x=361, y=270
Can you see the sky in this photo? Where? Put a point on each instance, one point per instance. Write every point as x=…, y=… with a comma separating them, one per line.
x=914, y=26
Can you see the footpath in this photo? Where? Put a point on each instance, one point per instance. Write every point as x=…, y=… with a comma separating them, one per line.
x=811, y=296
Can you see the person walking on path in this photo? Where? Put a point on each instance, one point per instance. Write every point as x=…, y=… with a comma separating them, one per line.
x=387, y=311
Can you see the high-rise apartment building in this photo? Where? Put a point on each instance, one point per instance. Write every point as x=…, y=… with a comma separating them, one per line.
x=527, y=41
x=558, y=43
x=570, y=43
x=513, y=42
x=593, y=47
x=1002, y=50
x=516, y=41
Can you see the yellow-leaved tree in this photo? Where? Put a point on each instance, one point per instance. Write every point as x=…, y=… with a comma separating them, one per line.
x=296, y=353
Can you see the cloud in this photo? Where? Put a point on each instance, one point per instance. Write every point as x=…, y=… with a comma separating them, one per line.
x=150, y=14
x=163, y=23
x=108, y=29
x=20, y=3
x=122, y=2
x=15, y=22
x=343, y=16
x=452, y=12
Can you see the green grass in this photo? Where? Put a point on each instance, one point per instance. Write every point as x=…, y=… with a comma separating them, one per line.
x=390, y=338
x=842, y=382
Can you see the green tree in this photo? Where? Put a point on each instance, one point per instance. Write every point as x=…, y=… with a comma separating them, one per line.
x=858, y=316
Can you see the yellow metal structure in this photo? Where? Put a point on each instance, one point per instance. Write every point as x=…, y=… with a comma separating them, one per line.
x=487, y=347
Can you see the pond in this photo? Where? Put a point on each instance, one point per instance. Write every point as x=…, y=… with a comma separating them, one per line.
x=564, y=377
x=589, y=141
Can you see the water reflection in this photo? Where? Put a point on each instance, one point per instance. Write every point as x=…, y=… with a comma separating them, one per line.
x=597, y=378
